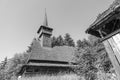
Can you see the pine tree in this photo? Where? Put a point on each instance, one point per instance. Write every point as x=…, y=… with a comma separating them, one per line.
x=68, y=40
x=60, y=41
x=3, y=73
x=86, y=43
x=79, y=44
x=3, y=64
x=54, y=41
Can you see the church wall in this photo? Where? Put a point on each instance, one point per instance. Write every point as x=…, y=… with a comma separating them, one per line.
x=46, y=42
x=46, y=70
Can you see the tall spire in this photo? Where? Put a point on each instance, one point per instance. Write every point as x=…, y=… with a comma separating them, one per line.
x=45, y=23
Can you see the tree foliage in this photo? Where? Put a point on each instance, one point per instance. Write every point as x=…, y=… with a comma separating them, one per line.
x=54, y=41
x=91, y=57
x=2, y=69
x=86, y=58
x=79, y=44
x=60, y=41
x=68, y=40
x=10, y=67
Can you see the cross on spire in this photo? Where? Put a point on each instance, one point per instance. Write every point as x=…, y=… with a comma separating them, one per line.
x=45, y=23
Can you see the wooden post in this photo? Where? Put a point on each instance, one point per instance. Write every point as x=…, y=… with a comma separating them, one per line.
x=112, y=57
x=113, y=53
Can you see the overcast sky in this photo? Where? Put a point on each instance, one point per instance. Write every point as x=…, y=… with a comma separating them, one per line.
x=20, y=20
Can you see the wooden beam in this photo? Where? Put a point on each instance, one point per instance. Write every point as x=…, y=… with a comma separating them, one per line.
x=114, y=25
x=104, y=33
x=100, y=33
x=110, y=35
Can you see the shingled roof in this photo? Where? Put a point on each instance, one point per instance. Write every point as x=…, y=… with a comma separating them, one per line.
x=62, y=53
x=106, y=15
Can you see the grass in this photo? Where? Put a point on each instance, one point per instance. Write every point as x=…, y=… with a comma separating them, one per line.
x=101, y=76
x=53, y=77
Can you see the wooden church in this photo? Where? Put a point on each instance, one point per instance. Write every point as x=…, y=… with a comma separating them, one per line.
x=43, y=59
x=107, y=28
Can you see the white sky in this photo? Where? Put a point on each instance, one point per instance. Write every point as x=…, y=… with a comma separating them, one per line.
x=20, y=20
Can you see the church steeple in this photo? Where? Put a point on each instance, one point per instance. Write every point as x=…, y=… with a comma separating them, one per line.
x=44, y=33
x=45, y=23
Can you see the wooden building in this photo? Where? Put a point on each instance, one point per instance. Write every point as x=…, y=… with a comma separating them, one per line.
x=107, y=28
x=46, y=60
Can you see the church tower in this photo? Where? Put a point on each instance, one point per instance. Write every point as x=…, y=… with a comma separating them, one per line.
x=42, y=59
x=44, y=33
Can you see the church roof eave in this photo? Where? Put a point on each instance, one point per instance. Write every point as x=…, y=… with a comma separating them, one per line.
x=103, y=18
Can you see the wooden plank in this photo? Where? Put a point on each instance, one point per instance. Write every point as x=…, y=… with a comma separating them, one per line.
x=51, y=65
x=114, y=41
x=112, y=57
